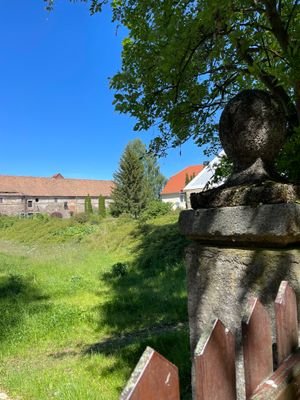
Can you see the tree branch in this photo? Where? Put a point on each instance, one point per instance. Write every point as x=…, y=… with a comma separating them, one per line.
x=291, y=15
x=272, y=83
x=277, y=25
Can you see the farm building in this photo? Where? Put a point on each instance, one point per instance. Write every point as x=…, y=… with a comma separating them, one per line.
x=26, y=195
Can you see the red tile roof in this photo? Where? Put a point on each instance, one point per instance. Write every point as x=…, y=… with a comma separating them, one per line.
x=56, y=186
x=177, y=182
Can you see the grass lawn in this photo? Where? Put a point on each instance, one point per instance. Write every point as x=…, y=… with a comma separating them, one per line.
x=73, y=327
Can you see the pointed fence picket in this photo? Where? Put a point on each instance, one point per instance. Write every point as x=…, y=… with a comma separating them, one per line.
x=217, y=354
x=286, y=321
x=156, y=378
x=257, y=346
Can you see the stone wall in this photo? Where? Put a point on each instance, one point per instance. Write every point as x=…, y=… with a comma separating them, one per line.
x=12, y=205
x=67, y=206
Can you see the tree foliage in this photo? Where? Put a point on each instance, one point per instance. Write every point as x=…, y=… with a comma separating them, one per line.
x=101, y=206
x=154, y=180
x=183, y=60
x=88, y=208
x=130, y=193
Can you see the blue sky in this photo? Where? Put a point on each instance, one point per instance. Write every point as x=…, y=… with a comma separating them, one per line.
x=56, y=112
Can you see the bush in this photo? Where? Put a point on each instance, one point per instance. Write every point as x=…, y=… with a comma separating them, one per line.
x=42, y=217
x=81, y=218
x=154, y=209
x=119, y=269
x=74, y=232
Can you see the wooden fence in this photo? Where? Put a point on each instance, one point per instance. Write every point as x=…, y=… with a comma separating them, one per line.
x=155, y=378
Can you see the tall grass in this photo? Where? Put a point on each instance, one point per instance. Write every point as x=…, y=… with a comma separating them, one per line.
x=73, y=328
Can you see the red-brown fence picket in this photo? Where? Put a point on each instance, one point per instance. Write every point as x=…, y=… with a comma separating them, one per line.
x=286, y=321
x=257, y=346
x=216, y=353
x=155, y=378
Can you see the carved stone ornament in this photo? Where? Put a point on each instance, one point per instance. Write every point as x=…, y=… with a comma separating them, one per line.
x=252, y=131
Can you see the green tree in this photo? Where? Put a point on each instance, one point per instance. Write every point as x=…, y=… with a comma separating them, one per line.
x=130, y=193
x=154, y=180
x=101, y=206
x=183, y=60
x=88, y=208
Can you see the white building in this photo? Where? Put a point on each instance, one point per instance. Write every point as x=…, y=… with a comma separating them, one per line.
x=173, y=191
x=202, y=180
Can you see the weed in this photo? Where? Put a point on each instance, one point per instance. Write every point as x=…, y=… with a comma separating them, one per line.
x=119, y=269
x=81, y=218
x=74, y=231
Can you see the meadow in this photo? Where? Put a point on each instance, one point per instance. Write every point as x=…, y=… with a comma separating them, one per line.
x=80, y=301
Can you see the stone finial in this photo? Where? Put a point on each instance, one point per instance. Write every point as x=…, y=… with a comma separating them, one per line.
x=252, y=131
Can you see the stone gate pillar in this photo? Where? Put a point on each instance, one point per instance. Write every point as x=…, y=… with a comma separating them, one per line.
x=245, y=235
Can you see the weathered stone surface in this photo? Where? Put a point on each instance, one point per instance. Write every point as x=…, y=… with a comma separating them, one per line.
x=267, y=225
x=252, y=131
x=268, y=192
x=251, y=210
x=221, y=280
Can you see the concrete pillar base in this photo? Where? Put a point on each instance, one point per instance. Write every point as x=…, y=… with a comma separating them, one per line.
x=224, y=269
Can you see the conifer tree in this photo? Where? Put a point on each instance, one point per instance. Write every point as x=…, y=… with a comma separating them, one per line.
x=101, y=206
x=155, y=181
x=88, y=208
x=130, y=193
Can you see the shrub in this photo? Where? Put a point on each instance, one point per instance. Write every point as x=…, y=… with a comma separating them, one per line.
x=154, y=209
x=74, y=232
x=119, y=269
x=81, y=218
x=42, y=217
x=12, y=285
